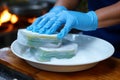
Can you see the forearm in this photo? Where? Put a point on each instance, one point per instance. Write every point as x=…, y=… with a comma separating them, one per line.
x=70, y=4
x=109, y=16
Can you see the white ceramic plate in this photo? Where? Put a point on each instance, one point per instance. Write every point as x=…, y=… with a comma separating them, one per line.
x=91, y=51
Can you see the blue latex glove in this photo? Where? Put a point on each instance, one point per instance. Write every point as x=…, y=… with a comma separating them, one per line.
x=41, y=21
x=71, y=19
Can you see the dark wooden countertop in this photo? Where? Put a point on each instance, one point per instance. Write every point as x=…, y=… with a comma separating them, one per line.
x=106, y=70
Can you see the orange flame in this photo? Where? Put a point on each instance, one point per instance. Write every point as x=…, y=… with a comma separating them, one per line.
x=31, y=20
x=6, y=16
x=14, y=19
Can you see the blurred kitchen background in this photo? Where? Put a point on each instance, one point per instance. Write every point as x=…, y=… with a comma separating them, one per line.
x=16, y=14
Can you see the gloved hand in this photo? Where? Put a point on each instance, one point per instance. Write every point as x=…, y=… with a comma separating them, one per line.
x=71, y=19
x=41, y=21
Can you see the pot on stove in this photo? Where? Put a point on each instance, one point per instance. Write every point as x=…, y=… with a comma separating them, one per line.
x=28, y=7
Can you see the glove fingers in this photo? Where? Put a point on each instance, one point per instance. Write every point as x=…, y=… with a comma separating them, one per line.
x=33, y=25
x=42, y=22
x=48, y=25
x=30, y=28
x=44, y=19
x=36, y=28
x=55, y=26
x=65, y=30
x=37, y=21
